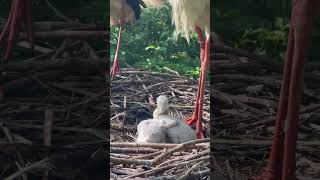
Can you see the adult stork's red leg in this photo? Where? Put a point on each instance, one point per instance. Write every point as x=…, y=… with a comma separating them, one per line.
x=193, y=119
x=282, y=163
x=201, y=42
x=20, y=10
x=304, y=15
x=116, y=66
x=6, y=27
x=204, y=60
x=12, y=27
x=273, y=169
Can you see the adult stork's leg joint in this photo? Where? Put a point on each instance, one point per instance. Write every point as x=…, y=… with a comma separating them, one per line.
x=201, y=42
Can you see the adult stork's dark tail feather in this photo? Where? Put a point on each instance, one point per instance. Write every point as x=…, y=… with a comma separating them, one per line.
x=136, y=7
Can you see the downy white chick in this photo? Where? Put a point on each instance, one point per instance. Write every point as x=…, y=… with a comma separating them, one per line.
x=177, y=131
x=163, y=127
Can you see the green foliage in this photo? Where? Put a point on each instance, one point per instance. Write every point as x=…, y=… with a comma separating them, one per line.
x=267, y=41
x=258, y=25
x=150, y=44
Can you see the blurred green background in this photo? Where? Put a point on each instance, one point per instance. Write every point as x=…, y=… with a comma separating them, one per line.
x=260, y=26
x=150, y=44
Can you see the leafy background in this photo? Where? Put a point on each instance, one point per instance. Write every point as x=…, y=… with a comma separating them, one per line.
x=150, y=44
x=260, y=26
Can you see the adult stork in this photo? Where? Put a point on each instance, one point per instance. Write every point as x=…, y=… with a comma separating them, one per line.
x=282, y=160
x=189, y=16
x=123, y=12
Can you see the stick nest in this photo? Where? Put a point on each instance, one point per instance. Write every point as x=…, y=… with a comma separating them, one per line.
x=53, y=117
x=245, y=91
x=133, y=97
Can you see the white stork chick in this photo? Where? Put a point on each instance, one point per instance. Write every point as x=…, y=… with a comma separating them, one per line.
x=177, y=131
x=164, y=128
x=150, y=131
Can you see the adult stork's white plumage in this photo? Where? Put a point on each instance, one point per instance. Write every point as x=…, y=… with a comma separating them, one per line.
x=123, y=12
x=189, y=16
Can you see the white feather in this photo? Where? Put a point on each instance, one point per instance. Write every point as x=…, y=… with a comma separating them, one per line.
x=187, y=14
